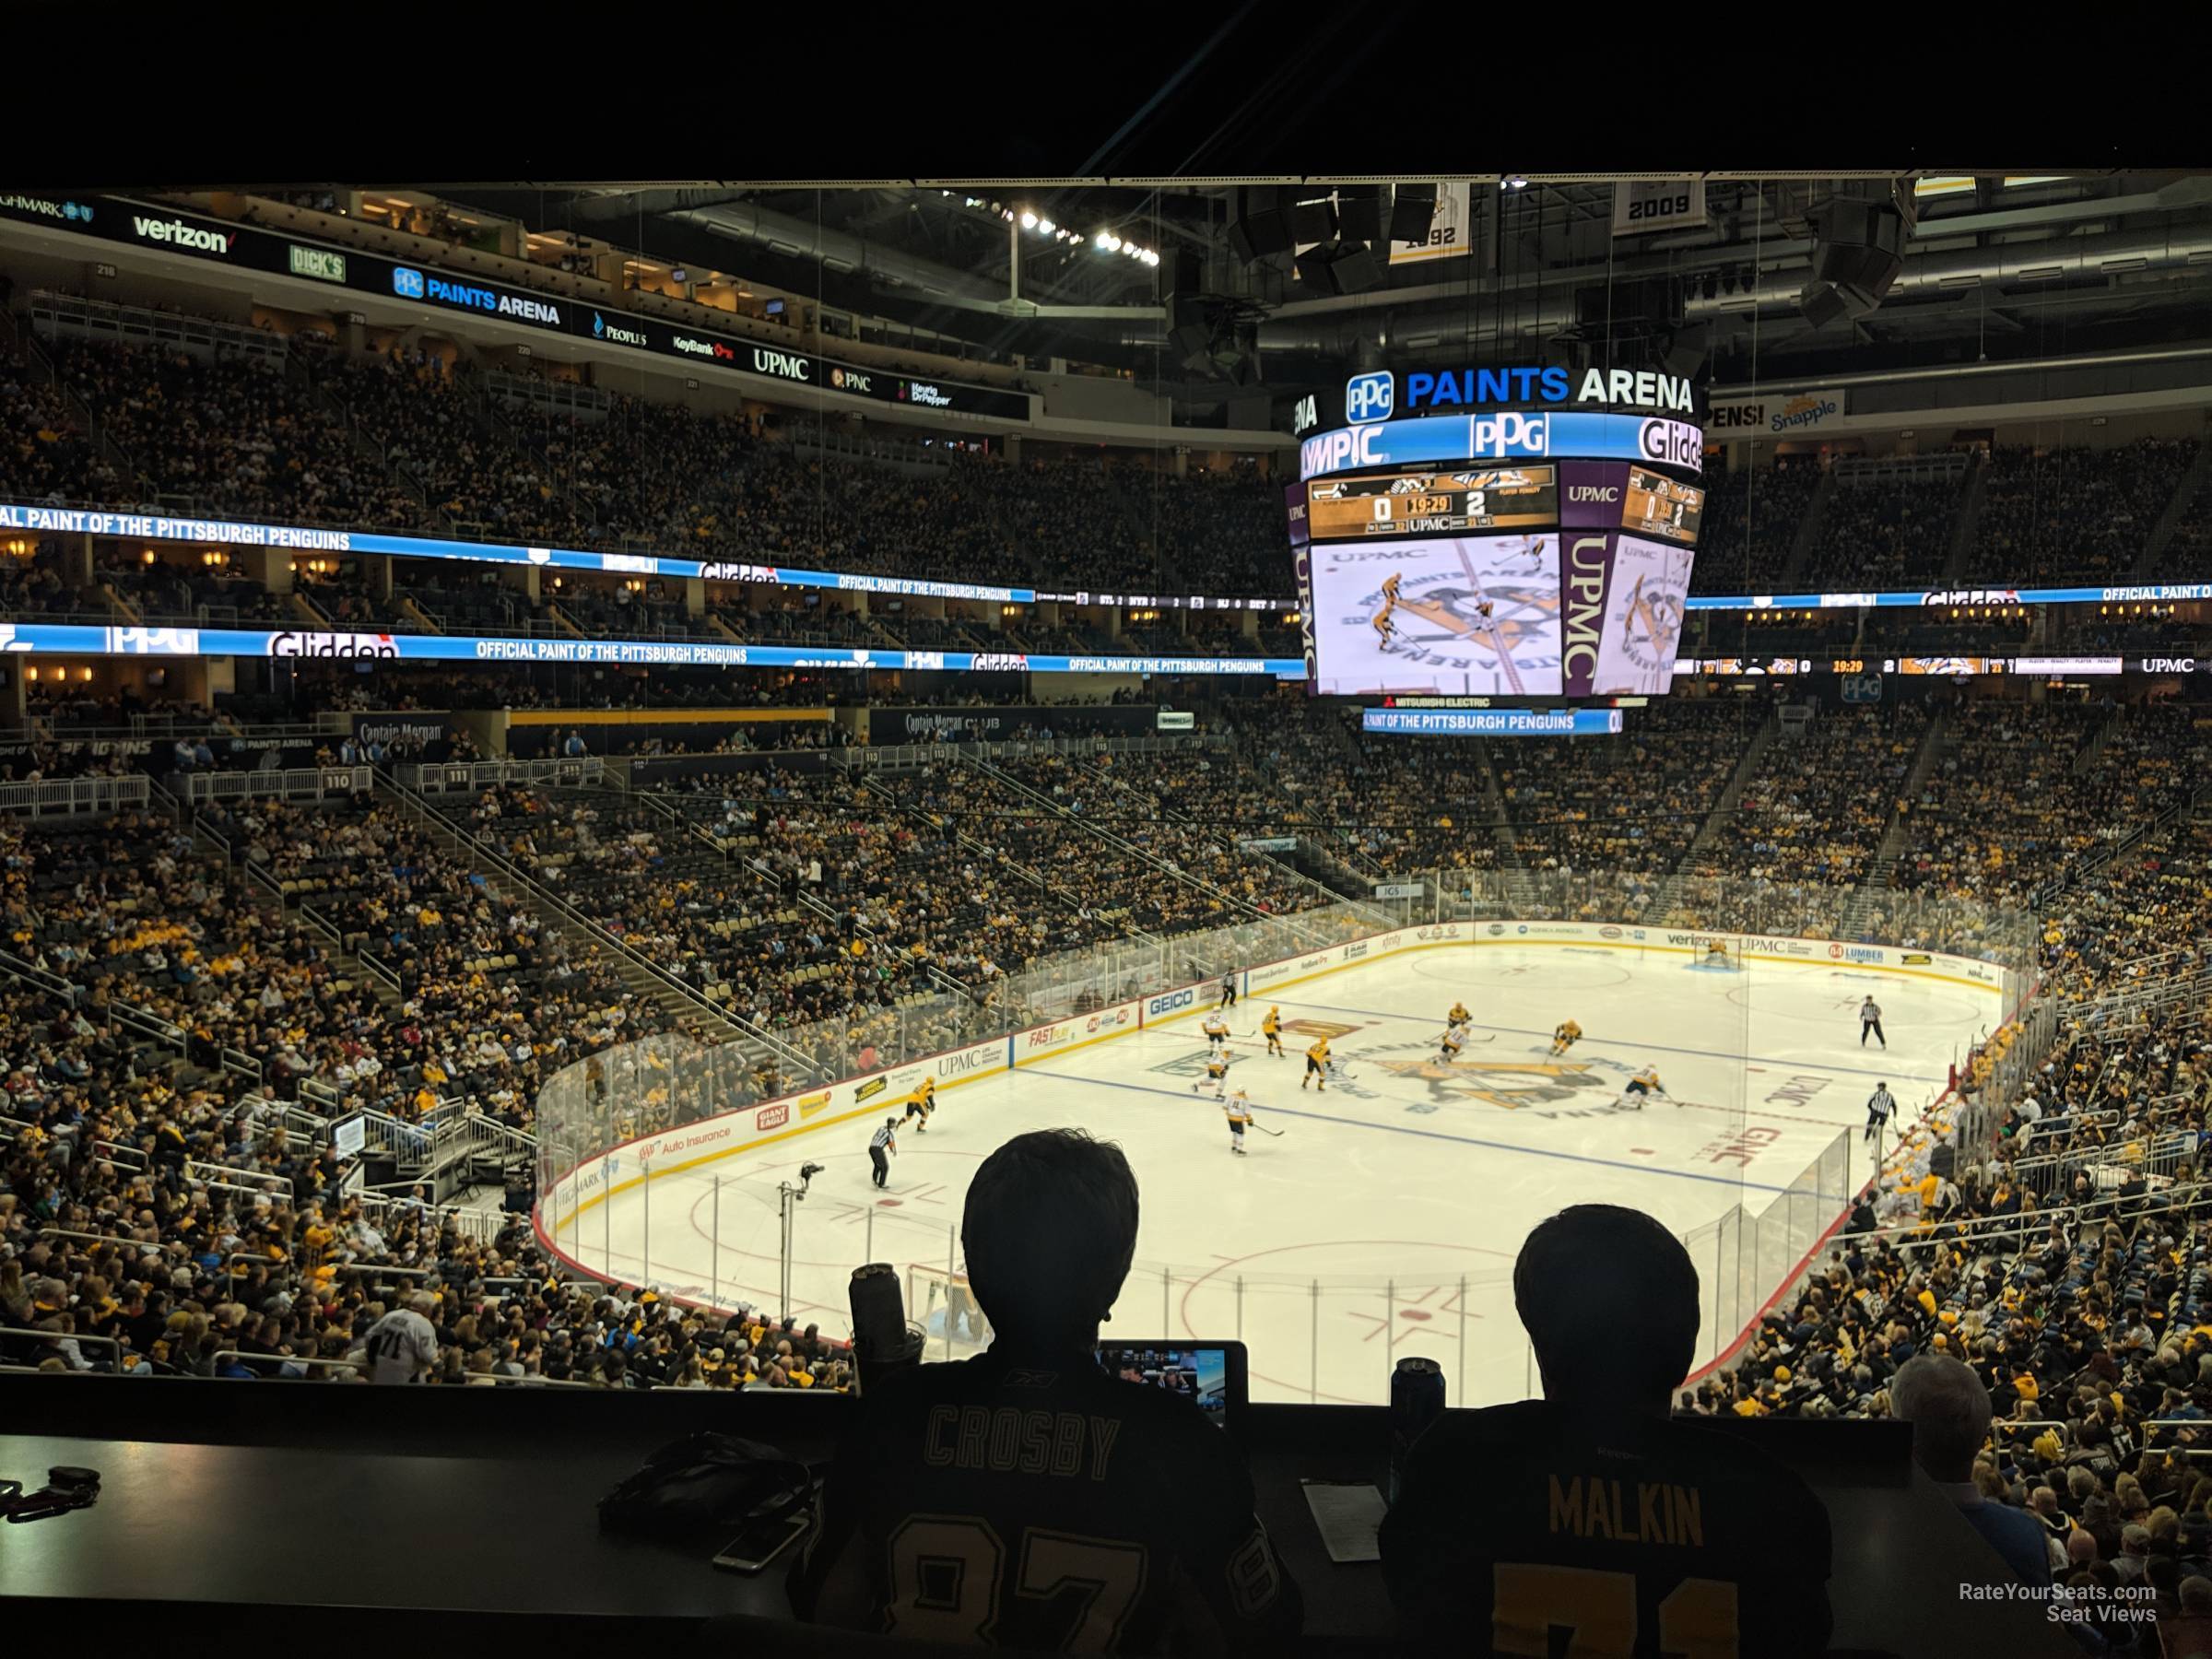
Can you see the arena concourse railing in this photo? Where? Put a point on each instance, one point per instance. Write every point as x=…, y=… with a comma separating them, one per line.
x=468, y=777
x=61, y=797
x=668, y=1107
x=295, y=783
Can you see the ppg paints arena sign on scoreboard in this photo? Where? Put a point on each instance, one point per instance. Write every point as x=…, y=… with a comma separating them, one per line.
x=1507, y=435
x=1505, y=414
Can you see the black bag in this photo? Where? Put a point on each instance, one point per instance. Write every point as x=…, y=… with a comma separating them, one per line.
x=703, y=1483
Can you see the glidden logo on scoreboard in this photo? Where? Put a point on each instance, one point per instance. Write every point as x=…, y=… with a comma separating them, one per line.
x=333, y=645
x=1673, y=442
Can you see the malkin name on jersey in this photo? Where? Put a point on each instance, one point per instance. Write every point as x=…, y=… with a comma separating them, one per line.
x=1594, y=1507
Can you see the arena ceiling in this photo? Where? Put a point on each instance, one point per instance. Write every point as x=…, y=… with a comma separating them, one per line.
x=2002, y=263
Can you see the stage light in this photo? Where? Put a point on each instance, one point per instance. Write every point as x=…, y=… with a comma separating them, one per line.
x=1046, y=226
x=1029, y=220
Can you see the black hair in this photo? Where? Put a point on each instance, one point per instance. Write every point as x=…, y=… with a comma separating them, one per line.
x=1049, y=1230
x=1609, y=1298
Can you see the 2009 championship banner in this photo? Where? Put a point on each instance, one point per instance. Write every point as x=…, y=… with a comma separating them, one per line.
x=62, y=638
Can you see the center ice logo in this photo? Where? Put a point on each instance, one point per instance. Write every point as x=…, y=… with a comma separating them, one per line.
x=1510, y=1085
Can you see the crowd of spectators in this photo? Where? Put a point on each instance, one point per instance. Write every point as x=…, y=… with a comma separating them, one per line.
x=1750, y=523
x=403, y=440
x=165, y=1208
x=233, y=435
x=50, y=458
x=2027, y=791
x=2072, y=513
x=413, y=409
x=1628, y=810
x=1814, y=812
x=1884, y=533
x=2065, y=1263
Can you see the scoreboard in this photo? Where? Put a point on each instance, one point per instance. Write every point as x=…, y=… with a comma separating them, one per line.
x=1433, y=504
x=1659, y=506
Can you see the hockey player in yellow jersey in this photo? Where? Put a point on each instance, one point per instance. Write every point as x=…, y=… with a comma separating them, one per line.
x=1459, y=1015
x=1641, y=1087
x=1565, y=1037
x=1239, y=1108
x=1317, y=1064
x=1271, y=1028
x=922, y=1103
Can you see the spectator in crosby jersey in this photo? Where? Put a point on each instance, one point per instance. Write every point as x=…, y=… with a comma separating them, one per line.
x=1146, y=1506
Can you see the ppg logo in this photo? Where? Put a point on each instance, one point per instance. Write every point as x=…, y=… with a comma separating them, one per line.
x=1370, y=396
x=406, y=283
x=1495, y=437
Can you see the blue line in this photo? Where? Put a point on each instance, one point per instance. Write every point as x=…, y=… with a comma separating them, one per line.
x=1463, y=1140
x=1664, y=1048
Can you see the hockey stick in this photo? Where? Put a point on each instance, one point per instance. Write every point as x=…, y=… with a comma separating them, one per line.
x=1265, y=1130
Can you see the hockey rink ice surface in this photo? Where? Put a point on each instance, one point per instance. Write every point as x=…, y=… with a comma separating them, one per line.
x=1402, y=1180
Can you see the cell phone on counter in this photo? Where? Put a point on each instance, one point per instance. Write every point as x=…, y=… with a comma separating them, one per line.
x=764, y=1538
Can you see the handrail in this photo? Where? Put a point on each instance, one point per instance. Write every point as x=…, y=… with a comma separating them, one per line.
x=60, y=796
x=281, y=1189
x=150, y=1025
x=15, y=967
x=294, y=783
x=63, y=1232
x=245, y=1358
x=116, y=1152
x=58, y=1338
x=1964, y=1231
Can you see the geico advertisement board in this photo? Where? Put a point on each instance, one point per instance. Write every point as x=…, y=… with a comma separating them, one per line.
x=1076, y=1029
x=1174, y=1004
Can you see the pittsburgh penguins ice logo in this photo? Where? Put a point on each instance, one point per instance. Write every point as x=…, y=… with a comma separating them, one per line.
x=1652, y=625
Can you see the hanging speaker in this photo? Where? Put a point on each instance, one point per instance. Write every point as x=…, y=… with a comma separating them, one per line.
x=1312, y=219
x=1360, y=212
x=1412, y=210
x=1261, y=226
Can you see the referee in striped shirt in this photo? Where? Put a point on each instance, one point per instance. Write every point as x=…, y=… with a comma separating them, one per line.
x=1881, y=1105
x=881, y=1145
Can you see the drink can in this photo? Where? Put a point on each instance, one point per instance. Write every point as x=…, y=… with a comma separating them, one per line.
x=1417, y=1400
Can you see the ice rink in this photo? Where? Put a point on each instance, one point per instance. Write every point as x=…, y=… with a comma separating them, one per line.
x=1382, y=1217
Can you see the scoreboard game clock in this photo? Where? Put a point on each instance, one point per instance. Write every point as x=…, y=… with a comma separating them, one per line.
x=1433, y=504
x=1657, y=505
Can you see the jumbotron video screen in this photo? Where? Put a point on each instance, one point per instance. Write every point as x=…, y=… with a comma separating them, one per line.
x=1561, y=580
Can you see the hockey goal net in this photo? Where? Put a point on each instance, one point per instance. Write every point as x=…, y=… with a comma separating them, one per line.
x=939, y=1305
x=1717, y=952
